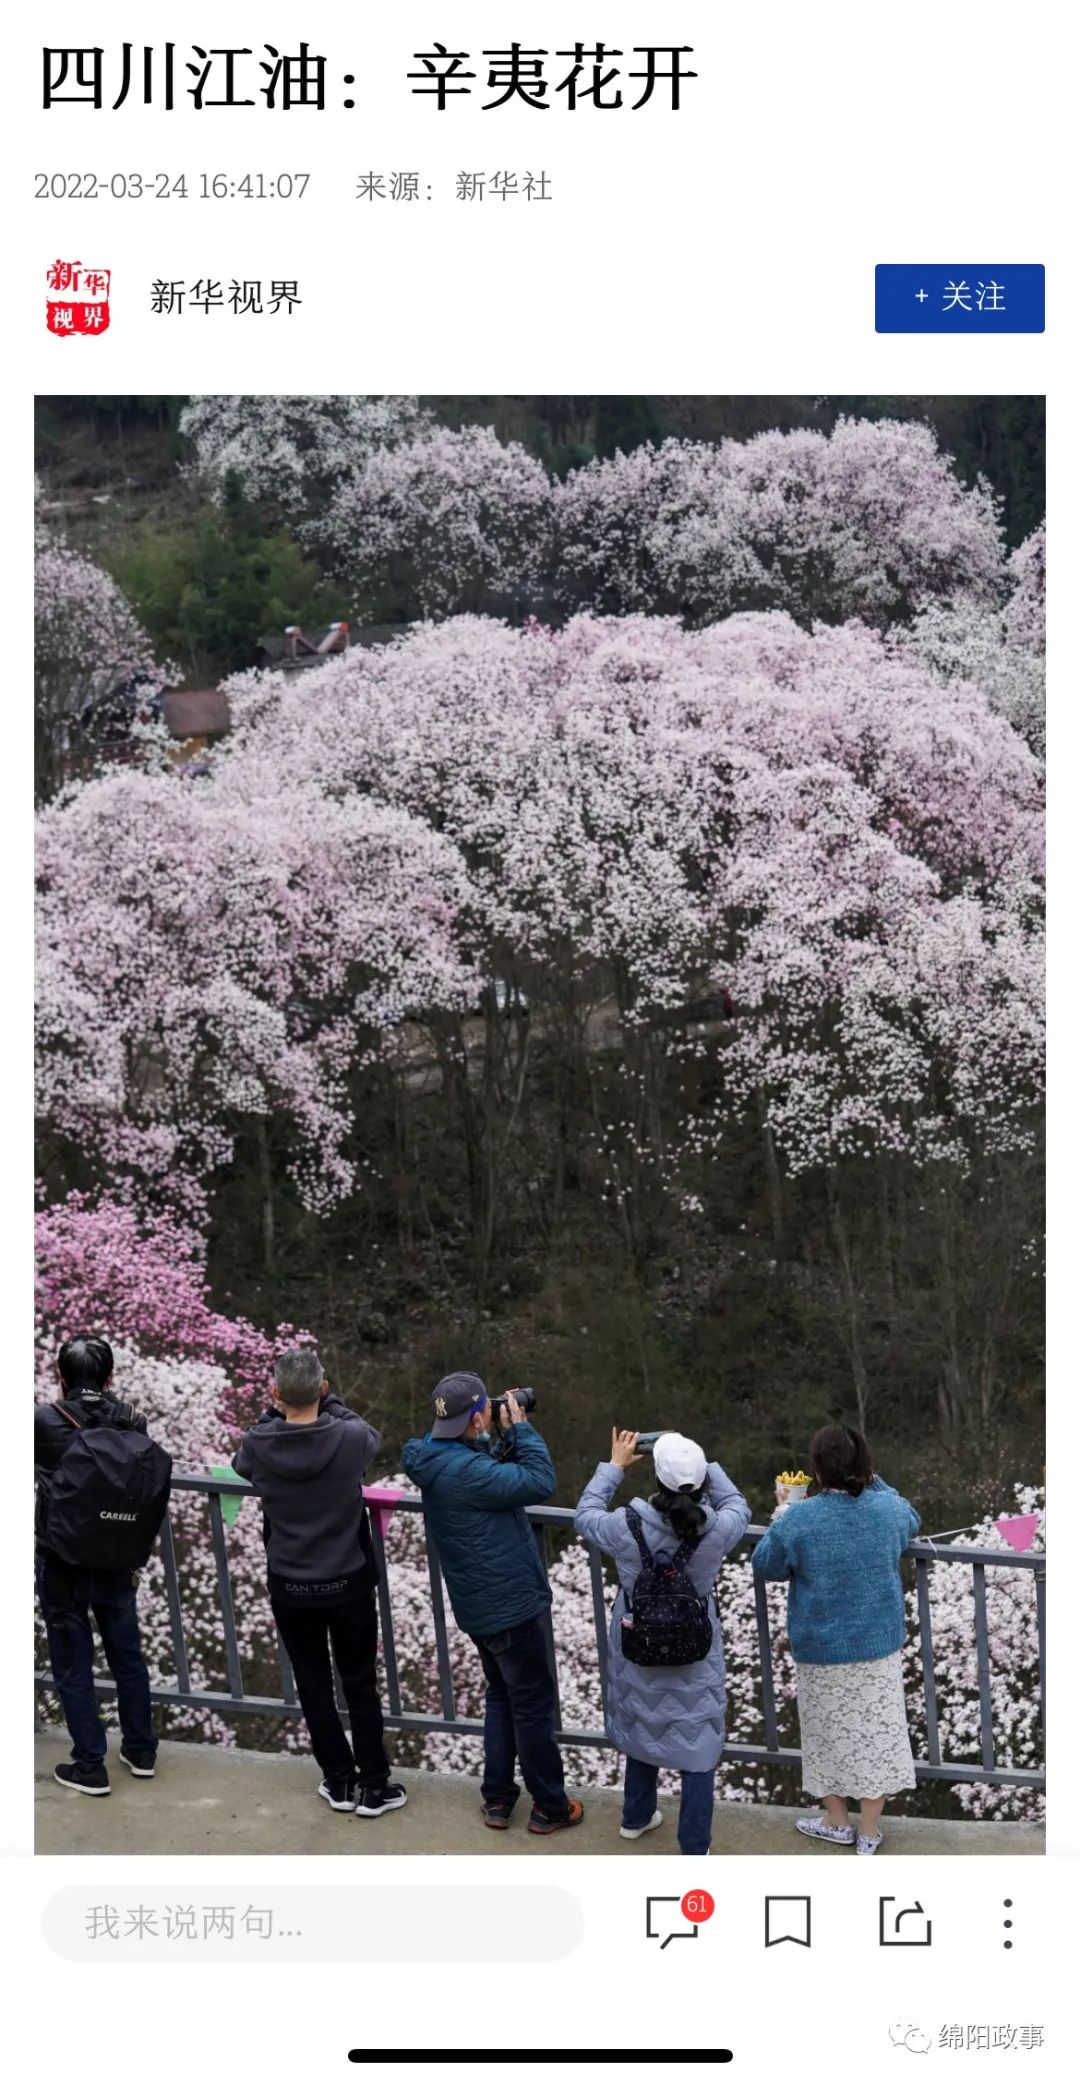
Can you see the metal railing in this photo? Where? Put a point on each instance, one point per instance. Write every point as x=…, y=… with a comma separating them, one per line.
x=545, y=1520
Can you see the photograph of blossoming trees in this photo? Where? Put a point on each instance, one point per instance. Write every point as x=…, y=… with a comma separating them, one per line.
x=613, y=964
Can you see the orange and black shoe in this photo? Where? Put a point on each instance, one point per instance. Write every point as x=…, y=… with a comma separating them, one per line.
x=561, y=1822
x=496, y=1816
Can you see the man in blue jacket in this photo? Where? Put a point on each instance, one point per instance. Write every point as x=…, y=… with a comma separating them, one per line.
x=474, y=1505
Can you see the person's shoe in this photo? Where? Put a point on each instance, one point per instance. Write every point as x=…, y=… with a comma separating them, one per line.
x=496, y=1816
x=341, y=1795
x=638, y=1831
x=374, y=1802
x=141, y=1764
x=541, y=1822
x=820, y=1828
x=88, y=1780
x=868, y=1842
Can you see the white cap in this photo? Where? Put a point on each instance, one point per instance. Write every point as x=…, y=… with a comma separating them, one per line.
x=679, y=1462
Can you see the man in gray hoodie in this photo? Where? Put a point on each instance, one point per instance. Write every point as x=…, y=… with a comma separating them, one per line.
x=306, y=1459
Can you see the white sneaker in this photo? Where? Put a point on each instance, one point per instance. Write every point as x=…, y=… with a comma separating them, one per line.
x=820, y=1828
x=865, y=1843
x=638, y=1831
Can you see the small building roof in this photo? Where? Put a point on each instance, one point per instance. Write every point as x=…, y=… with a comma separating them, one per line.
x=293, y=649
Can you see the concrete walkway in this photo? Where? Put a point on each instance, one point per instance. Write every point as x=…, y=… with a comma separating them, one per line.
x=210, y=1800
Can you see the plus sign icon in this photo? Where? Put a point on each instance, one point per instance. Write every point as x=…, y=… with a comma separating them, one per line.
x=77, y=300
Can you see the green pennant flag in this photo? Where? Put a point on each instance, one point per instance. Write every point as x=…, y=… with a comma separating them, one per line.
x=230, y=1502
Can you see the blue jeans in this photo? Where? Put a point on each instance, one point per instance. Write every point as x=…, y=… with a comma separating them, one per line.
x=695, y=1807
x=68, y=1603
x=519, y=1719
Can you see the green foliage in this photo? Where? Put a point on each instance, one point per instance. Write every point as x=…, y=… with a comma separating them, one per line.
x=903, y=1298
x=625, y=423
x=207, y=591
x=87, y=439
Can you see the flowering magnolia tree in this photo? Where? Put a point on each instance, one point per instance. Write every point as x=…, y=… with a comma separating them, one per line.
x=102, y=1270
x=1025, y=610
x=866, y=521
x=747, y=874
x=1001, y=650
x=89, y=651
x=850, y=849
x=625, y=813
x=1013, y=1639
x=212, y=952
x=450, y=521
x=292, y=454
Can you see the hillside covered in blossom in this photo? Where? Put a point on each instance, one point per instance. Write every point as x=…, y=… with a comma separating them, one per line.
x=625, y=977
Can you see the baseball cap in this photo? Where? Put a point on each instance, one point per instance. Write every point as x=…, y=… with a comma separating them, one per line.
x=455, y=1400
x=680, y=1464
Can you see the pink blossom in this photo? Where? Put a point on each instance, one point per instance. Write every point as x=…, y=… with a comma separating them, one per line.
x=228, y=947
x=292, y=453
x=867, y=521
x=454, y=517
x=87, y=639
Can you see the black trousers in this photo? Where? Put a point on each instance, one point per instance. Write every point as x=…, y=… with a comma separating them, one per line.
x=352, y=1634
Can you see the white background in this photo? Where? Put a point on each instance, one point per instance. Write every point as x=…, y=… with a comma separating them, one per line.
x=728, y=248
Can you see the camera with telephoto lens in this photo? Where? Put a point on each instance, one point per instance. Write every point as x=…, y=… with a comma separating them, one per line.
x=526, y=1400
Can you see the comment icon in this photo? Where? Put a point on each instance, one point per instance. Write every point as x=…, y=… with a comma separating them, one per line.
x=677, y=1918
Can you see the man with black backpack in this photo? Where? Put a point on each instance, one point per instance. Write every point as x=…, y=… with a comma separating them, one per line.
x=306, y=1459
x=102, y=1494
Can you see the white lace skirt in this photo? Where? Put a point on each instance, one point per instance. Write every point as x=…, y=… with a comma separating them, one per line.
x=853, y=1728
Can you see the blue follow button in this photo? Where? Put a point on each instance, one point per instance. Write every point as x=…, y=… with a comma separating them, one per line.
x=959, y=297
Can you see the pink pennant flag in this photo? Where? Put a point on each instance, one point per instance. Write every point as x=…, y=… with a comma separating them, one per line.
x=382, y=1502
x=1018, y=1529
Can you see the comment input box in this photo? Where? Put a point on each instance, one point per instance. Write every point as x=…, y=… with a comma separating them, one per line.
x=325, y=1923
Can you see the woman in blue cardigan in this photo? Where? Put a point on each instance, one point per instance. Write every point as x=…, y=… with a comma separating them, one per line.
x=839, y=1550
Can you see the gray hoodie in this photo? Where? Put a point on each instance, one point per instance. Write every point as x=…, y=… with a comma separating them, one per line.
x=309, y=1479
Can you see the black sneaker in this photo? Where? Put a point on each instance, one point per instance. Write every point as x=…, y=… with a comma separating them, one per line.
x=341, y=1795
x=88, y=1780
x=496, y=1816
x=141, y=1764
x=373, y=1802
x=540, y=1821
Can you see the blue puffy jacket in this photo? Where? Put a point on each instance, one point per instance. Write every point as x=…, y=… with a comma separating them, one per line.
x=667, y=1715
x=475, y=1509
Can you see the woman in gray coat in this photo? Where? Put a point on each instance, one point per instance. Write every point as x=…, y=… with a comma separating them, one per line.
x=672, y=1715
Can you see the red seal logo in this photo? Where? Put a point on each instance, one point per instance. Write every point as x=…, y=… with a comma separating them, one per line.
x=78, y=300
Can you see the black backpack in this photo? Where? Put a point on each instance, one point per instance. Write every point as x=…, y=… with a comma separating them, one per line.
x=666, y=1621
x=108, y=1496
